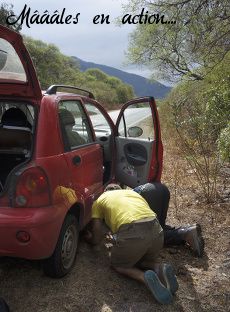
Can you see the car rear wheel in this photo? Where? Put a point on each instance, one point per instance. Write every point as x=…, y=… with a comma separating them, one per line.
x=63, y=258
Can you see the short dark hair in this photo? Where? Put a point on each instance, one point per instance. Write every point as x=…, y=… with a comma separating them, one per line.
x=112, y=187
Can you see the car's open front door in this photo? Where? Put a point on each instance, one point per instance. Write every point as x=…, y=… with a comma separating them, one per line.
x=138, y=143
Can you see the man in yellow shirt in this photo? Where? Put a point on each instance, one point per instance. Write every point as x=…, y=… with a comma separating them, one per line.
x=138, y=240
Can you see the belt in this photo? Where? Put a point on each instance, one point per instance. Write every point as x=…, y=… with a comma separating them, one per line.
x=148, y=219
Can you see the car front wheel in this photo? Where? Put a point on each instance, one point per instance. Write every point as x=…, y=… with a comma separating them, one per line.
x=63, y=258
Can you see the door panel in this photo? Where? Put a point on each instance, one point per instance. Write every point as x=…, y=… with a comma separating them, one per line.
x=135, y=154
x=138, y=143
x=133, y=163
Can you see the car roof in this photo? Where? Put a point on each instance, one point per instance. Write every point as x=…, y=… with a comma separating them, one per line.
x=53, y=89
x=44, y=93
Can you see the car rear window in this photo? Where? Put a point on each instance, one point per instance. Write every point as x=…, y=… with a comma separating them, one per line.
x=11, y=68
x=22, y=115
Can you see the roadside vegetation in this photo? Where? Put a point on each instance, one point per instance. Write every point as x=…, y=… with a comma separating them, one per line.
x=194, y=54
x=196, y=115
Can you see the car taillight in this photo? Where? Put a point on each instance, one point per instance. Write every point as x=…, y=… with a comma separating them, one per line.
x=32, y=189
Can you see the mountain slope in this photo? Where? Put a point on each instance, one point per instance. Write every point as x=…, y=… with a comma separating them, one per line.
x=141, y=85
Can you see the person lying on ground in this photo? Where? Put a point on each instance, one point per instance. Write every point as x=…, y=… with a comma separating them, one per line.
x=138, y=239
x=157, y=196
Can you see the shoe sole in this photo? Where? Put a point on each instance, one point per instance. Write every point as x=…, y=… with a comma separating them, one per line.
x=198, y=242
x=170, y=278
x=160, y=293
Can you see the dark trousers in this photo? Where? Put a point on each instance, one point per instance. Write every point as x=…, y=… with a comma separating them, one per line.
x=157, y=196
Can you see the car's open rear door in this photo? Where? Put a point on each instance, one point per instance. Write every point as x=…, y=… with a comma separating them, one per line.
x=138, y=143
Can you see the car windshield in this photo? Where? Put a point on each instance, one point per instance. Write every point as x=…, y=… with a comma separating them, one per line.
x=100, y=124
x=11, y=68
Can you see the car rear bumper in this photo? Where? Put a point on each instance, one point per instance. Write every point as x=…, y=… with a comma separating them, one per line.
x=42, y=224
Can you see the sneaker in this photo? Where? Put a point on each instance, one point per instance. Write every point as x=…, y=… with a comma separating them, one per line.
x=158, y=290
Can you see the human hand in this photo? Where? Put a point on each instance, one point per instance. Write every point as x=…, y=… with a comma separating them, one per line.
x=109, y=240
x=109, y=237
x=88, y=236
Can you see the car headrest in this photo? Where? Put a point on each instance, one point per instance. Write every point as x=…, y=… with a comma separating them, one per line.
x=15, y=117
x=66, y=117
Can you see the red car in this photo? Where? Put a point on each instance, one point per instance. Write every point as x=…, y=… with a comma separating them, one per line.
x=58, y=151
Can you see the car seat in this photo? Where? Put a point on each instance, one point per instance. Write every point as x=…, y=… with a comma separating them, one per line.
x=15, y=141
x=71, y=138
x=15, y=117
x=15, y=130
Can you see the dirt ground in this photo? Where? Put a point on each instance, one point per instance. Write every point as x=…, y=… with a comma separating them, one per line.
x=93, y=287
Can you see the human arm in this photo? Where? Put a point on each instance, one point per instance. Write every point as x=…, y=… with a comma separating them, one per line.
x=95, y=234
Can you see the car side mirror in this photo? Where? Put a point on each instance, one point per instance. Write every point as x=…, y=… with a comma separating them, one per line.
x=3, y=59
x=135, y=132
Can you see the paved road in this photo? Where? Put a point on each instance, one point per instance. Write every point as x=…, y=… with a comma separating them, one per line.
x=133, y=117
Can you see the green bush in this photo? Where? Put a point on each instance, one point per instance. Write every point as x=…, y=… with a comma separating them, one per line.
x=224, y=143
x=199, y=111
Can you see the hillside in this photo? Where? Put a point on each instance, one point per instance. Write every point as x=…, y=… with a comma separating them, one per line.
x=53, y=67
x=141, y=85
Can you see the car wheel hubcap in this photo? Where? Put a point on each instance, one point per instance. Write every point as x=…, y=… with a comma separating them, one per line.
x=69, y=247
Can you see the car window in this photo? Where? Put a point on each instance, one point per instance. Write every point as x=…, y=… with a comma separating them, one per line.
x=74, y=125
x=27, y=109
x=137, y=121
x=100, y=124
x=11, y=67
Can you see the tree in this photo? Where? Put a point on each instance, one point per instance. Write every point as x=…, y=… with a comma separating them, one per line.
x=97, y=73
x=6, y=10
x=199, y=112
x=51, y=65
x=119, y=91
x=191, y=47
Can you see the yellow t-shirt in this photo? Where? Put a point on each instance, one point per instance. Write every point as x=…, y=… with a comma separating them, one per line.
x=119, y=207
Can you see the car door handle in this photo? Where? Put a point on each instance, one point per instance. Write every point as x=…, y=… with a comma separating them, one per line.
x=76, y=160
x=103, y=139
x=135, y=160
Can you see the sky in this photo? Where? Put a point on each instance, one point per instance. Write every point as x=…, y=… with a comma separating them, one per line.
x=102, y=43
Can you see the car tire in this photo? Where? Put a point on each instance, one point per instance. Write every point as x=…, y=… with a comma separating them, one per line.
x=63, y=258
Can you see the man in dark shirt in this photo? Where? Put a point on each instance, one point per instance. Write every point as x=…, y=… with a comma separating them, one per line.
x=157, y=196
